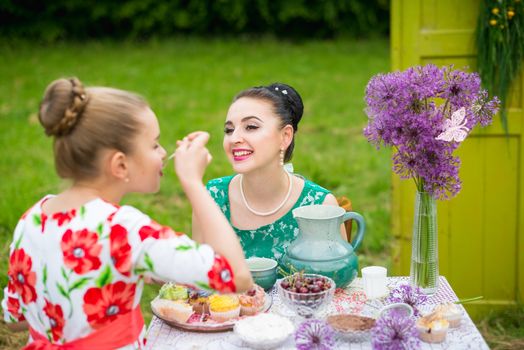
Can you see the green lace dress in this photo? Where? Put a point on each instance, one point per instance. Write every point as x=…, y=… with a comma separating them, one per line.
x=269, y=241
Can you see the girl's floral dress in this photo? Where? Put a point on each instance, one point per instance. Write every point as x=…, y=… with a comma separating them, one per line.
x=73, y=272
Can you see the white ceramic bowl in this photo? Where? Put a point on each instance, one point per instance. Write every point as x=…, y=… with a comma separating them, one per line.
x=264, y=331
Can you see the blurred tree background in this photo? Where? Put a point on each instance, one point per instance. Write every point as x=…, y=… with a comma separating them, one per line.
x=53, y=20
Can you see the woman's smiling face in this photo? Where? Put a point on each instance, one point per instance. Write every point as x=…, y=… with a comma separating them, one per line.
x=253, y=135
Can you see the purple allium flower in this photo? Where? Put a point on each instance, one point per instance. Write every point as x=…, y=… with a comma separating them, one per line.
x=408, y=294
x=407, y=111
x=314, y=335
x=395, y=331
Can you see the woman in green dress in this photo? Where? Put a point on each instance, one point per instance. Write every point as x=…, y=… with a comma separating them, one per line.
x=258, y=200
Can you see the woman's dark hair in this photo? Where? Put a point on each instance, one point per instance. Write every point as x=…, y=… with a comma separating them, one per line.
x=287, y=105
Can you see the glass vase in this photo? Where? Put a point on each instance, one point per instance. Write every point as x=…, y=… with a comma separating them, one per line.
x=424, y=245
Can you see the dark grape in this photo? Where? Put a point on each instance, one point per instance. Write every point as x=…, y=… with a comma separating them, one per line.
x=315, y=289
x=303, y=290
x=298, y=283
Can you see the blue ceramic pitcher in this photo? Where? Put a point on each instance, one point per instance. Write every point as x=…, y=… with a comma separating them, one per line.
x=319, y=248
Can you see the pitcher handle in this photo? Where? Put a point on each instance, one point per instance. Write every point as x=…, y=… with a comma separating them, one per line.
x=361, y=227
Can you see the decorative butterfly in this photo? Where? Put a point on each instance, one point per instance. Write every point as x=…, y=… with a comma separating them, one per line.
x=455, y=128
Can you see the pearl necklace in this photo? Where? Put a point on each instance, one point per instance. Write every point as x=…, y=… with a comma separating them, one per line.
x=268, y=212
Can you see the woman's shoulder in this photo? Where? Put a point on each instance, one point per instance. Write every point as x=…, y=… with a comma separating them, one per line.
x=312, y=186
x=219, y=188
x=312, y=193
x=128, y=215
x=220, y=181
x=37, y=207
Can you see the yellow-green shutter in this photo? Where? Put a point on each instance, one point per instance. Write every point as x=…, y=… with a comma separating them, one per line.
x=481, y=231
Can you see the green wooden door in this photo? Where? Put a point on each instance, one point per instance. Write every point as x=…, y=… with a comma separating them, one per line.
x=481, y=231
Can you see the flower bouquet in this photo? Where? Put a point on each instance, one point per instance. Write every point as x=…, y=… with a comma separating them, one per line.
x=424, y=113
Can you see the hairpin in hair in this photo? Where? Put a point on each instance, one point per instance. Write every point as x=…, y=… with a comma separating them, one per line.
x=283, y=91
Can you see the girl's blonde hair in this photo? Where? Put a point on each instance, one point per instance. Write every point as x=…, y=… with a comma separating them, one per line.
x=85, y=121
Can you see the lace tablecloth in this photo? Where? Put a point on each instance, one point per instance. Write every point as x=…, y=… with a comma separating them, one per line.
x=351, y=300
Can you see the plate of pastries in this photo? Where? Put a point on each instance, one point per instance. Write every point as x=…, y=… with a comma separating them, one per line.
x=203, y=311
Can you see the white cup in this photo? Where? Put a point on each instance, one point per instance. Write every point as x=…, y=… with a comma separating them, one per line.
x=375, y=281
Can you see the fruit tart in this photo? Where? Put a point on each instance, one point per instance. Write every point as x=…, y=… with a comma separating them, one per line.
x=252, y=301
x=199, y=300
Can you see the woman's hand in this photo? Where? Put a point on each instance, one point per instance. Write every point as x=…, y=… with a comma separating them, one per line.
x=192, y=157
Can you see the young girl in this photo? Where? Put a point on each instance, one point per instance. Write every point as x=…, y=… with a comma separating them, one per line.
x=78, y=259
x=258, y=138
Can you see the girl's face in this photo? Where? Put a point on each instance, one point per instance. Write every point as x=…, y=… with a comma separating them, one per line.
x=146, y=160
x=253, y=136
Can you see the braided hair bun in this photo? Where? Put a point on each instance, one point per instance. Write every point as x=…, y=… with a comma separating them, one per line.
x=63, y=104
x=85, y=121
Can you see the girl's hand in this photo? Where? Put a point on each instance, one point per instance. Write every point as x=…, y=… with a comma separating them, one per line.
x=192, y=157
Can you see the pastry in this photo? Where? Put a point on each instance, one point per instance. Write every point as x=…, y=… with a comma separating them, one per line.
x=450, y=312
x=173, y=292
x=347, y=323
x=224, y=307
x=199, y=300
x=432, y=328
x=252, y=301
x=172, y=310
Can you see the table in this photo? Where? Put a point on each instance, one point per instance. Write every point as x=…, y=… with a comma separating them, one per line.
x=162, y=336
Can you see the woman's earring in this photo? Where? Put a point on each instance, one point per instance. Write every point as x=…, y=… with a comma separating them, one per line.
x=281, y=157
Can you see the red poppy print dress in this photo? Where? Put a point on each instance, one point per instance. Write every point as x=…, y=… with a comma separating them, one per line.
x=73, y=273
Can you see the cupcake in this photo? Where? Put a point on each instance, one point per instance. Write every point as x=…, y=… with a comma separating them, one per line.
x=199, y=300
x=172, y=310
x=449, y=312
x=173, y=292
x=432, y=328
x=224, y=307
x=252, y=301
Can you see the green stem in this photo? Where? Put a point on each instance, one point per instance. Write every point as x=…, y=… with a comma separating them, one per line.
x=468, y=300
x=424, y=259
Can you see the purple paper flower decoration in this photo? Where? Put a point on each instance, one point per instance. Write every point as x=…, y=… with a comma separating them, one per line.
x=395, y=331
x=408, y=110
x=314, y=335
x=408, y=294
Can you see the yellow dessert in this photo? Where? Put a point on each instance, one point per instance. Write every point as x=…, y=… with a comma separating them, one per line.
x=221, y=303
x=224, y=307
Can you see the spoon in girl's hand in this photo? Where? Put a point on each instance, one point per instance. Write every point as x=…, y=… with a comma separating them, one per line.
x=173, y=154
x=209, y=157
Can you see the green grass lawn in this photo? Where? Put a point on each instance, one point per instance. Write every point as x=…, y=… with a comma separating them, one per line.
x=190, y=83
